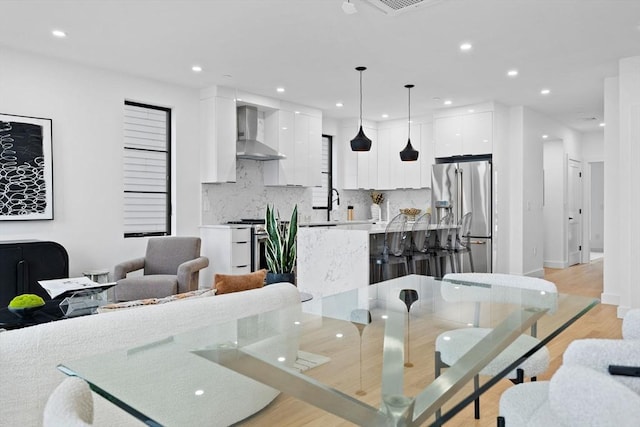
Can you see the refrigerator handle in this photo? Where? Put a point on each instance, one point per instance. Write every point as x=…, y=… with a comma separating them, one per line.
x=460, y=197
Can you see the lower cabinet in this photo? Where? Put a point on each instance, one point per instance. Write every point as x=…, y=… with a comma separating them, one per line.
x=228, y=249
x=24, y=263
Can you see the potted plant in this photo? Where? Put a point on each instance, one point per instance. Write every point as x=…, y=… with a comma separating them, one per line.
x=281, y=246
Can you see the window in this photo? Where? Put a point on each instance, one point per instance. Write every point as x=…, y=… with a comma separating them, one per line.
x=321, y=196
x=146, y=167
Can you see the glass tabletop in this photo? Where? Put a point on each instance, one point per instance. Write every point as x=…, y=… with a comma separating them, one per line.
x=371, y=353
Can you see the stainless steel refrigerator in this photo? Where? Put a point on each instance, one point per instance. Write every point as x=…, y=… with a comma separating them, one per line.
x=461, y=186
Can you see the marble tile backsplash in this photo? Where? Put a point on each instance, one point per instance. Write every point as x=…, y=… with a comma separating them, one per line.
x=248, y=197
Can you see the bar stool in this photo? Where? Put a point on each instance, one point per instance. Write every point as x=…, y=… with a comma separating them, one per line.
x=463, y=243
x=395, y=250
x=420, y=250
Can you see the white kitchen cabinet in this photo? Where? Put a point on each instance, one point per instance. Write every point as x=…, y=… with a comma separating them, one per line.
x=448, y=136
x=218, y=139
x=368, y=162
x=384, y=167
x=464, y=134
x=228, y=249
x=426, y=157
x=477, y=133
x=349, y=158
x=314, y=171
x=298, y=136
x=279, y=135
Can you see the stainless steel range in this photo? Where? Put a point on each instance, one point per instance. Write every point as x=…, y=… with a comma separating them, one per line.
x=258, y=240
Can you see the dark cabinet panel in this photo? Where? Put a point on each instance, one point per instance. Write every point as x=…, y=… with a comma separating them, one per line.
x=23, y=263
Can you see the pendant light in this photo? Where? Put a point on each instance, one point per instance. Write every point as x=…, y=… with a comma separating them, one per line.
x=361, y=142
x=408, y=153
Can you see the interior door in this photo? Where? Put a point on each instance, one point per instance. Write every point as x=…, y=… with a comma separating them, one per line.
x=574, y=211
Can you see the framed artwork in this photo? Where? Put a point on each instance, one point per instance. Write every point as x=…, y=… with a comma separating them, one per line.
x=26, y=169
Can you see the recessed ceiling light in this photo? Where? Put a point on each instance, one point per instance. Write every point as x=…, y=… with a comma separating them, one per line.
x=199, y=392
x=196, y=68
x=603, y=124
x=512, y=73
x=59, y=33
x=545, y=136
x=448, y=102
x=339, y=335
x=465, y=47
x=385, y=116
x=296, y=112
x=471, y=110
x=545, y=92
x=339, y=104
x=280, y=89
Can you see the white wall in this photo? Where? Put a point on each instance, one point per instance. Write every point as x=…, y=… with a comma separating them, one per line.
x=86, y=106
x=622, y=193
x=554, y=255
x=596, y=203
x=525, y=163
x=593, y=172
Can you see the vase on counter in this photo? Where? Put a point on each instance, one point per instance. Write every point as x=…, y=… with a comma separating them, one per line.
x=376, y=212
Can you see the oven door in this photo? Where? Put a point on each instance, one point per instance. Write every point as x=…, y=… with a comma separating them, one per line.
x=258, y=251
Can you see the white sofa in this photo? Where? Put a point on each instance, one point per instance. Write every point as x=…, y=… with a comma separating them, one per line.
x=29, y=356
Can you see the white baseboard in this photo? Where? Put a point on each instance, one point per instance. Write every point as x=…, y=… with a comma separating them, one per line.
x=555, y=264
x=610, y=299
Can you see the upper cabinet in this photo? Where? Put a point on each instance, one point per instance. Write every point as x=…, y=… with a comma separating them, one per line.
x=296, y=132
x=217, y=135
x=462, y=134
x=381, y=167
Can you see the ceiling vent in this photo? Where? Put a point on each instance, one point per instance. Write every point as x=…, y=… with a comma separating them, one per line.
x=395, y=7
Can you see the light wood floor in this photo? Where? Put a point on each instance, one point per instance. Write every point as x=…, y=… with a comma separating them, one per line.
x=599, y=322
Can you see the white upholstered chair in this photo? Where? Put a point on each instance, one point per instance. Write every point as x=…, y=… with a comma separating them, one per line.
x=70, y=405
x=500, y=288
x=582, y=392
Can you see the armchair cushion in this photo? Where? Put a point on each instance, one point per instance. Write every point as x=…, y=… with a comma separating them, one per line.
x=226, y=283
x=598, y=354
x=631, y=325
x=141, y=287
x=581, y=396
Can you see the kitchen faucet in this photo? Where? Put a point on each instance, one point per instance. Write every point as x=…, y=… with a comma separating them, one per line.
x=330, y=208
x=338, y=198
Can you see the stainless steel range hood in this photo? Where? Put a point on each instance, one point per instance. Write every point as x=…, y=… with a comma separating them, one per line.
x=247, y=146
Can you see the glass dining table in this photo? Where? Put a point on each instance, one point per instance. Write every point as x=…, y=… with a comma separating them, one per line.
x=372, y=353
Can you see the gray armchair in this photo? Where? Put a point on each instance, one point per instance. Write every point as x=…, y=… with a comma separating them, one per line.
x=170, y=266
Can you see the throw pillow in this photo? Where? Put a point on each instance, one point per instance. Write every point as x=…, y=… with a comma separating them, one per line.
x=227, y=283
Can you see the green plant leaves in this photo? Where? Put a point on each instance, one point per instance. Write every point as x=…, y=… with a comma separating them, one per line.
x=280, y=247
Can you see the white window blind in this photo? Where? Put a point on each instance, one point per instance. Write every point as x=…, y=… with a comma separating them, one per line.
x=320, y=195
x=146, y=170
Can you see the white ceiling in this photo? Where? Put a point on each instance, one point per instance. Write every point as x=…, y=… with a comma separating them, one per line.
x=311, y=47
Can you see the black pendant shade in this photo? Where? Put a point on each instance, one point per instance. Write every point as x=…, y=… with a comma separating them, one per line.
x=360, y=142
x=408, y=153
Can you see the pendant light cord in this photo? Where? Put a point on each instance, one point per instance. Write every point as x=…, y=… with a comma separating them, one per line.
x=409, y=121
x=360, y=97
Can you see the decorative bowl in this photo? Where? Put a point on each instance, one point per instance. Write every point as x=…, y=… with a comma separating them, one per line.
x=25, y=305
x=411, y=212
x=25, y=312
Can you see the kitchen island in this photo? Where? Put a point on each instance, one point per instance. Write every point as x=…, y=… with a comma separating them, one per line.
x=335, y=258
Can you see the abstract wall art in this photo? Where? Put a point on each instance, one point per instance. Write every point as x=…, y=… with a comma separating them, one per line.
x=26, y=170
